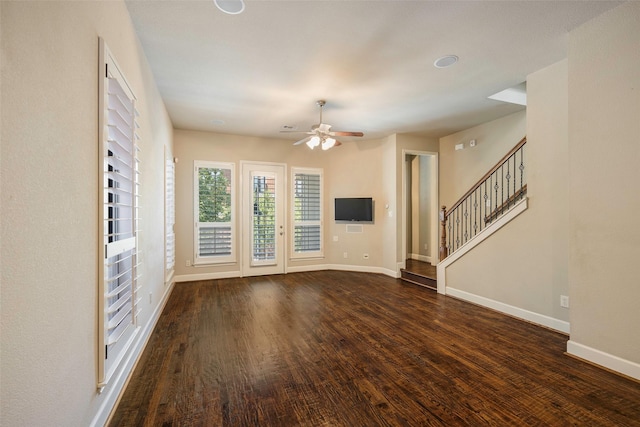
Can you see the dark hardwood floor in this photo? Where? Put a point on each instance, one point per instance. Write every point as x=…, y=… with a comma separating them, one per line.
x=354, y=349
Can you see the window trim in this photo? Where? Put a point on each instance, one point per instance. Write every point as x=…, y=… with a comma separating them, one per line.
x=215, y=259
x=113, y=346
x=314, y=254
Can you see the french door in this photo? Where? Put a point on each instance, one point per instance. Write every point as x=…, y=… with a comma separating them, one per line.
x=263, y=218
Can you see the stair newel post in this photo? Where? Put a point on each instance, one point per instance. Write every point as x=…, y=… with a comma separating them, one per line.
x=443, y=235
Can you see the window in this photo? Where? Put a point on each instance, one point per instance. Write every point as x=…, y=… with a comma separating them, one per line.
x=170, y=215
x=214, y=212
x=307, y=213
x=119, y=193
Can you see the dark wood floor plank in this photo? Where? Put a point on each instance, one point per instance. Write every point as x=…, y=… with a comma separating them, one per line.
x=354, y=349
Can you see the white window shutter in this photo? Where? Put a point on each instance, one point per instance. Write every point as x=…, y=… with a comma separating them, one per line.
x=307, y=213
x=120, y=192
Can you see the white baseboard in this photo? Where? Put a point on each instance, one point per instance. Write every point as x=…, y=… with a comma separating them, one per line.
x=306, y=268
x=297, y=269
x=206, y=276
x=121, y=379
x=606, y=360
x=418, y=257
x=530, y=316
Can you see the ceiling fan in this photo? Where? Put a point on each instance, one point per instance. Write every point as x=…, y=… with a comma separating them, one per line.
x=322, y=135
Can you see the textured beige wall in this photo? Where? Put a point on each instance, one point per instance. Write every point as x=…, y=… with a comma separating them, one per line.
x=49, y=202
x=604, y=152
x=461, y=169
x=523, y=264
x=351, y=170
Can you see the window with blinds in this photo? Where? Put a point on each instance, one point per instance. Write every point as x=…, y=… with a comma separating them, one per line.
x=214, y=212
x=119, y=195
x=170, y=215
x=307, y=213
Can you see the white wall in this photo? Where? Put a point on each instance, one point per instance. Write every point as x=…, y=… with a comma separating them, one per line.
x=49, y=203
x=604, y=199
x=524, y=264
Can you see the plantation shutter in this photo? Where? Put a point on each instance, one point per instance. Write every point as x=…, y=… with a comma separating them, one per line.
x=170, y=215
x=119, y=178
x=307, y=212
x=214, y=212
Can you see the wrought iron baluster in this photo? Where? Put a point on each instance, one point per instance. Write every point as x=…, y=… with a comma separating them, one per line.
x=494, y=209
x=458, y=227
x=521, y=170
x=464, y=220
x=475, y=213
x=502, y=189
x=508, y=182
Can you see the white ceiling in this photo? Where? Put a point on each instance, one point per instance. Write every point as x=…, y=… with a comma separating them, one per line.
x=371, y=60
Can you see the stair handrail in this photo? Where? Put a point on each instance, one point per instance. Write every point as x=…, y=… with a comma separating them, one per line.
x=445, y=214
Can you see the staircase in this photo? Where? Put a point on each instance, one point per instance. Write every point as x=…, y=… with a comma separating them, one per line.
x=420, y=273
x=494, y=195
x=498, y=197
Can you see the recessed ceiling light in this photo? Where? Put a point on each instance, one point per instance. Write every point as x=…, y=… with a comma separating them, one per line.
x=217, y=122
x=445, y=61
x=232, y=7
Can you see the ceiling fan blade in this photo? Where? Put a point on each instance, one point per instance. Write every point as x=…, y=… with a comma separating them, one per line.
x=342, y=133
x=303, y=140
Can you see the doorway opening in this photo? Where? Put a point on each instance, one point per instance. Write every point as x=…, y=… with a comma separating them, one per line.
x=420, y=217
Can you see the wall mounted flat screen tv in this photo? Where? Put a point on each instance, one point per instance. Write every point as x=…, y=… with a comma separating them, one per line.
x=354, y=209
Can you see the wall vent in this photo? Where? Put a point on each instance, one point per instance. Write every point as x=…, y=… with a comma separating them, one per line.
x=354, y=228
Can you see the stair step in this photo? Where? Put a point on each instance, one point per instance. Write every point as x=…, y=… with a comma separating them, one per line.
x=419, y=279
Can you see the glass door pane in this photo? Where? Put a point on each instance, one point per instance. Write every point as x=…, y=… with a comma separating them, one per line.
x=264, y=219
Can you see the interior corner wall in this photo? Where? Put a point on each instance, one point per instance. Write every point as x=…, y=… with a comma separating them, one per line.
x=604, y=153
x=460, y=169
x=426, y=165
x=50, y=204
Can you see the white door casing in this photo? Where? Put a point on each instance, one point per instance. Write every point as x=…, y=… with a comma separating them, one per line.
x=263, y=218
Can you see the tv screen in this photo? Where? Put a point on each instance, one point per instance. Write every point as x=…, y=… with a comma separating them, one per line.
x=354, y=209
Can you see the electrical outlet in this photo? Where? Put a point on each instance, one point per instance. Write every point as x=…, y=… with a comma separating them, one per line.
x=365, y=256
x=150, y=297
x=345, y=255
x=564, y=301
x=188, y=263
x=335, y=238
x=426, y=247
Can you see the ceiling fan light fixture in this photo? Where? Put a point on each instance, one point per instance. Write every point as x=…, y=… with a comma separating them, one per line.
x=313, y=142
x=328, y=143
